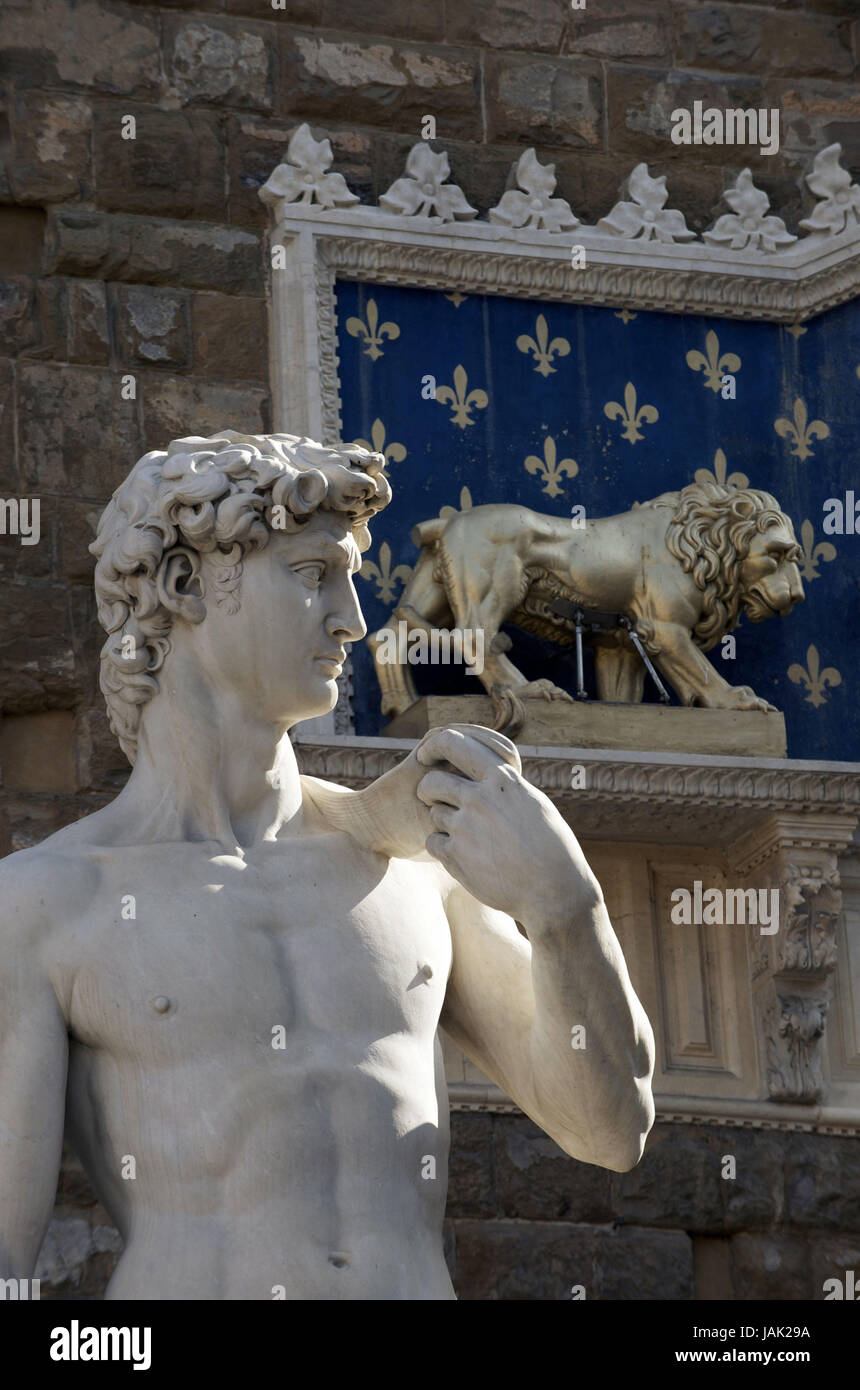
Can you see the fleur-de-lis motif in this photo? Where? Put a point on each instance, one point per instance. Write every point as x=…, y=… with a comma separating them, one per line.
x=465, y=504
x=823, y=551
x=550, y=469
x=544, y=350
x=796, y=330
x=423, y=192
x=457, y=298
x=383, y=575
x=713, y=365
x=815, y=680
x=645, y=415
x=392, y=453
x=704, y=475
x=625, y=315
x=747, y=225
x=840, y=198
x=646, y=216
x=373, y=332
x=302, y=178
x=535, y=207
x=801, y=429
x=462, y=401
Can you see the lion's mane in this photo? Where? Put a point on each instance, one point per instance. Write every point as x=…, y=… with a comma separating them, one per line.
x=710, y=534
x=210, y=495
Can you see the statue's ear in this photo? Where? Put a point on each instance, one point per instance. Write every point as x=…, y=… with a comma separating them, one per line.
x=180, y=586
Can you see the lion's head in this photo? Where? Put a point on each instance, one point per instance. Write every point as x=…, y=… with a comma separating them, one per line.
x=740, y=548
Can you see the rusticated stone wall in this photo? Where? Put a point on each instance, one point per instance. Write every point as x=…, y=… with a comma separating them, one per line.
x=145, y=258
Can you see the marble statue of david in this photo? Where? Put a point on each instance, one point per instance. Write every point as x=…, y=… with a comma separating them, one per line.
x=232, y=976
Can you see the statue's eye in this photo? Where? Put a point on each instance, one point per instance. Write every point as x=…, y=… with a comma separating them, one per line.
x=310, y=573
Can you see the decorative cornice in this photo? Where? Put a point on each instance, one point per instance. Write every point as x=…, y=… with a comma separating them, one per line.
x=759, y=784
x=746, y=266
x=732, y=1114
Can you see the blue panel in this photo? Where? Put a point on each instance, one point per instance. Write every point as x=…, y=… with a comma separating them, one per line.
x=803, y=466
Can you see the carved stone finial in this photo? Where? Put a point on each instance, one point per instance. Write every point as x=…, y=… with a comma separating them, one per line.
x=646, y=217
x=422, y=192
x=747, y=227
x=304, y=178
x=535, y=207
x=839, y=207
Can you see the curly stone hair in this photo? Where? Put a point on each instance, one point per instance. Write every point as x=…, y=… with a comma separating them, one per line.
x=710, y=534
x=221, y=496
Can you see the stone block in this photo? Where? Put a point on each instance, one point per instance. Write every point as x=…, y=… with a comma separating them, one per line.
x=27, y=527
x=471, y=1175
x=741, y=38
x=538, y=1181
x=151, y=251
x=380, y=84
x=712, y=1270
x=22, y=232
x=536, y=25
x=599, y=724
x=255, y=147
x=37, y=752
x=50, y=157
x=771, y=1266
x=230, y=337
x=832, y=1256
x=102, y=765
x=37, y=663
x=174, y=407
x=51, y=321
x=174, y=167
x=407, y=19
x=153, y=326
x=679, y=1180
x=558, y=102
x=822, y=1182
x=76, y=433
x=18, y=328
x=622, y=29
x=76, y=524
x=9, y=482
x=216, y=60
x=83, y=44
x=87, y=318
x=640, y=102
x=814, y=114
x=543, y=1261
x=31, y=818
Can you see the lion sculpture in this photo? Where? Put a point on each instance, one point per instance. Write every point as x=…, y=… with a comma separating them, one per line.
x=681, y=568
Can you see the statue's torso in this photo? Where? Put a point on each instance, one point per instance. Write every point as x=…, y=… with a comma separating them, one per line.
x=318, y=1165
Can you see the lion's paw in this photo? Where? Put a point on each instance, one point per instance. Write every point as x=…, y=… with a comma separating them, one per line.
x=744, y=697
x=544, y=689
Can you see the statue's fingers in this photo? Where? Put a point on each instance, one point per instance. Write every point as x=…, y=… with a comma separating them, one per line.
x=470, y=756
x=443, y=817
x=506, y=750
x=437, y=786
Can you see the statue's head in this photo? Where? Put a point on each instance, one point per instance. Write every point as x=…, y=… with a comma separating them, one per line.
x=242, y=549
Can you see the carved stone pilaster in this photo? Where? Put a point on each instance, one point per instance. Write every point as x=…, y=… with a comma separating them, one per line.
x=792, y=969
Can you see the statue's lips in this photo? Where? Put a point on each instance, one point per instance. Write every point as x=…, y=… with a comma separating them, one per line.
x=334, y=663
x=758, y=607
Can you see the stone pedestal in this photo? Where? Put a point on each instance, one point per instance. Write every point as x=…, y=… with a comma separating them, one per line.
x=598, y=724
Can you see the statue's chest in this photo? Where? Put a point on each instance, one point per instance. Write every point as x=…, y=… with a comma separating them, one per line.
x=193, y=951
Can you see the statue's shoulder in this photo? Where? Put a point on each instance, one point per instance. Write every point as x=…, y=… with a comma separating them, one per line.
x=43, y=886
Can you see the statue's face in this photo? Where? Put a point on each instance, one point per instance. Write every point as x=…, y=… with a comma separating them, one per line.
x=283, y=651
x=770, y=579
